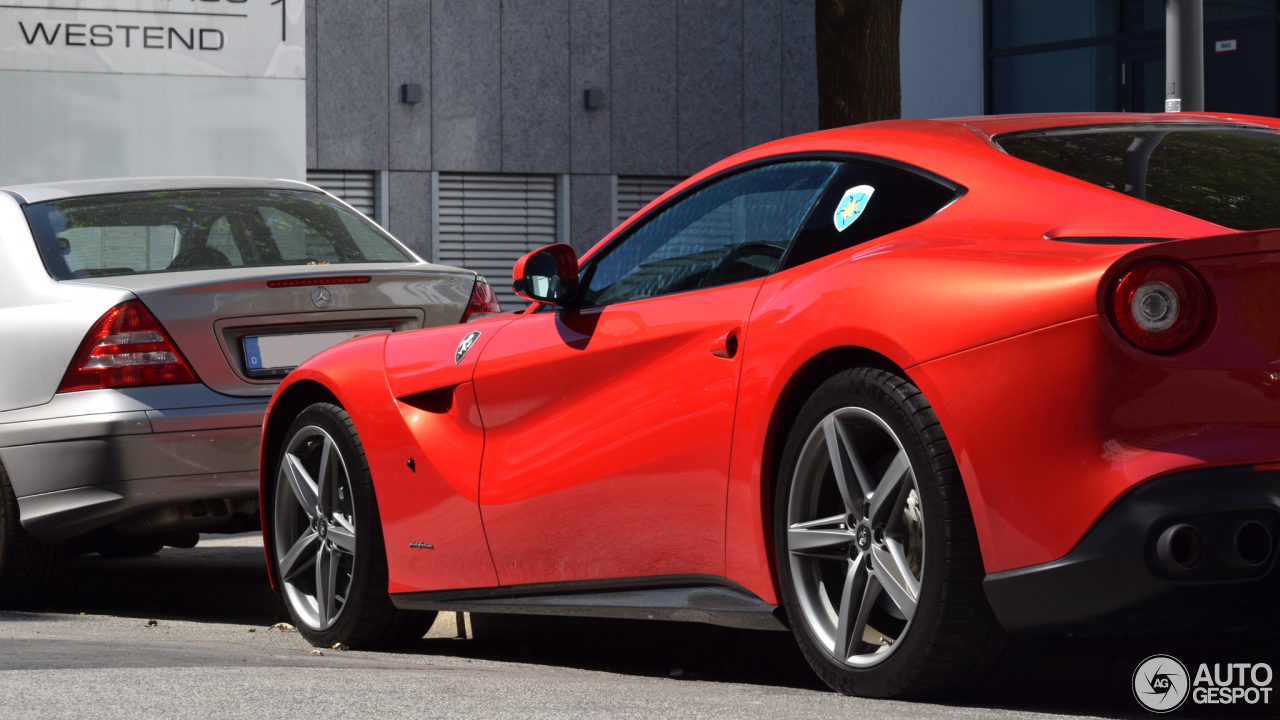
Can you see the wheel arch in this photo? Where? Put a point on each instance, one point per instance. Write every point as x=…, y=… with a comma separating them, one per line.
x=284, y=408
x=806, y=379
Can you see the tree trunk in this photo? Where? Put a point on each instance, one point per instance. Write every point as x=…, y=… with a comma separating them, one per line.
x=859, y=76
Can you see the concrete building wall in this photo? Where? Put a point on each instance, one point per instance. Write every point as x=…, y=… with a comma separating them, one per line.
x=351, y=107
x=941, y=51
x=685, y=83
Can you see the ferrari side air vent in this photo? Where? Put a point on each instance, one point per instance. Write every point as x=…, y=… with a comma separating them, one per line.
x=1109, y=240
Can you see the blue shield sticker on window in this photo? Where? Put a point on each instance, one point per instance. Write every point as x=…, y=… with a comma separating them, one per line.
x=851, y=205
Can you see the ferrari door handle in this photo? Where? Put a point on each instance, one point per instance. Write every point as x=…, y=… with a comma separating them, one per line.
x=726, y=346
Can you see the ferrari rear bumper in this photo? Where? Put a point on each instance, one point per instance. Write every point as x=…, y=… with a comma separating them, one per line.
x=1122, y=579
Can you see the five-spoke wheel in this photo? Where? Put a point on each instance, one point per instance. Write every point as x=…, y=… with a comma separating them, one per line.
x=315, y=534
x=875, y=543
x=327, y=537
x=854, y=536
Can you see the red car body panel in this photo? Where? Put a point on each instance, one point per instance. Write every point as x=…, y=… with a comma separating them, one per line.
x=445, y=439
x=1123, y=416
x=608, y=436
x=613, y=443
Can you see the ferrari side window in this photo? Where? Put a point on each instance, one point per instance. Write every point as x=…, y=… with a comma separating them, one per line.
x=864, y=202
x=733, y=230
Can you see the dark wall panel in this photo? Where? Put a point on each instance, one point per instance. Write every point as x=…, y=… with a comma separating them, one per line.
x=535, y=81
x=643, y=42
x=799, y=68
x=466, y=98
x=710, y=81
x=409, y=198
x=409, y=56
x=590, y=199
x=761, y=71
x=311, y=83
x=351, y=70
x=589, y=35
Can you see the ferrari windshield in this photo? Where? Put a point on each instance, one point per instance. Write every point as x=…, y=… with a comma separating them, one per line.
x=173, y=231
x=1224, y=174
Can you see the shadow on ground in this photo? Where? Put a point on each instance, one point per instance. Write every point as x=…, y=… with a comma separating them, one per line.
x=224, y=580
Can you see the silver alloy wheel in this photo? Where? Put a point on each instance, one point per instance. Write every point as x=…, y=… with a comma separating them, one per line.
x=315, y=532
x=855, y=536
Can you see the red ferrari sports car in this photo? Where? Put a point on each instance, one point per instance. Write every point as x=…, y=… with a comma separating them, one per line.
x=903, y=389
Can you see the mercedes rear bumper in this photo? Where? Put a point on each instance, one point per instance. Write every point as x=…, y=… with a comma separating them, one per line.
x=88, y=459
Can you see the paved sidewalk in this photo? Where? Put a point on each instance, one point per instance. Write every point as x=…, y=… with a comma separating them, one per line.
x=109, y=667
x=210, y=654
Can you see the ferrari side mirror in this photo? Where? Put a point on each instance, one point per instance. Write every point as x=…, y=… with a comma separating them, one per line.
x=547, y=275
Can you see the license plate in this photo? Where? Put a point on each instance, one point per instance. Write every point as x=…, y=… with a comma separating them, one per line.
x=276, y=353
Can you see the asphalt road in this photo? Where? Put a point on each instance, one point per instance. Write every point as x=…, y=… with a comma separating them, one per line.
x=211, y=654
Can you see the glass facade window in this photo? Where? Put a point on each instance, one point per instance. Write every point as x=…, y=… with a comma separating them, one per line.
x=1149, y=14
x=1148, y=82
x=1144, y=15
x=1034, y=22
x=1215, y=10
x=1108, y=55
x=1055, y=81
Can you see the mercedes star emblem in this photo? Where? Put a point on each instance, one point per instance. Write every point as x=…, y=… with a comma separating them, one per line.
x=320, y=296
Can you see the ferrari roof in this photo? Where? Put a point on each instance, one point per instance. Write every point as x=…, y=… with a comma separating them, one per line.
x=991, y=125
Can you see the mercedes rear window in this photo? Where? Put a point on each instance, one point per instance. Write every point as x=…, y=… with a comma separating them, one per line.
x=175, y=231
x=1224, y=174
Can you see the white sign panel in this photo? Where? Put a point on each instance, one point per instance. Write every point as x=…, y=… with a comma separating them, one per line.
x=211, y=38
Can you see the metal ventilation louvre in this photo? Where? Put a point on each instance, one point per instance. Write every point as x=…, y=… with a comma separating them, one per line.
x=355, y=187
x=488, y=221
x=636, y=191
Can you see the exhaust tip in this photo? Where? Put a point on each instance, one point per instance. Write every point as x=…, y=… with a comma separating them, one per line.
x=1245, y=545
x=1181, y=548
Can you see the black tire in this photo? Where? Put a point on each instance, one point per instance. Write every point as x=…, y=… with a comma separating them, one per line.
x=953, y=641
x=27, y=566
x=368, y=619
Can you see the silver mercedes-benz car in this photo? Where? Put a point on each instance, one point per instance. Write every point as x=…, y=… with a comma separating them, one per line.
x=144, y=324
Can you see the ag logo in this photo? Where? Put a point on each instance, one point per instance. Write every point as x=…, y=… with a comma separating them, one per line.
x=464, y=346
x=851, y=205
x=1160, y=683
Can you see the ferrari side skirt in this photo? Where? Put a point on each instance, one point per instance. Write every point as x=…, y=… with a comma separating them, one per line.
x=683, y=598
x=1122, y=578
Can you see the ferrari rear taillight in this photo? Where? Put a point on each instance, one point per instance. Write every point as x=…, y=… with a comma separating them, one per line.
x=1159, y=306
x=127, y=347
x=483, y=302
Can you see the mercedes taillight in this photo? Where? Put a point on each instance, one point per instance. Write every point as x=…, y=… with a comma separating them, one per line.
x=127, y=347
x=483, y=302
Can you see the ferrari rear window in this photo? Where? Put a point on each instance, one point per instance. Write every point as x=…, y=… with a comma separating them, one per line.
x=1224, y=174
x=173, y=231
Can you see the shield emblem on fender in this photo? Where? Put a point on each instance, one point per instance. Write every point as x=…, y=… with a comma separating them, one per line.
x=851, y=205
x=464, y=346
